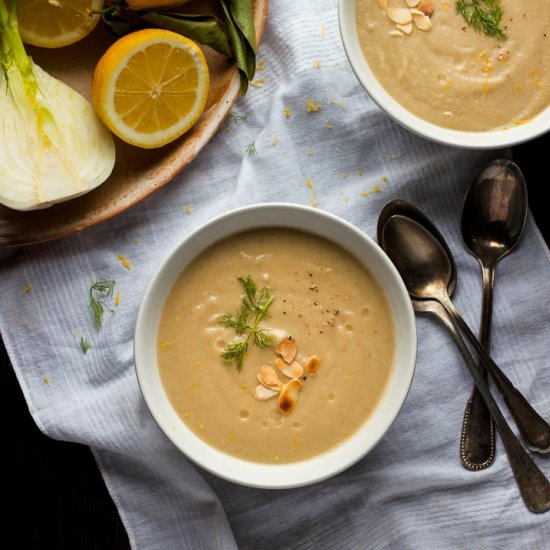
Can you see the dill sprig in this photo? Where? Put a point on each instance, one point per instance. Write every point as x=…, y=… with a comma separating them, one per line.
x=483, y=16
x=85, y=345
x=254, y=307
x=237, y=118
x=251, y=149
x=103, y=288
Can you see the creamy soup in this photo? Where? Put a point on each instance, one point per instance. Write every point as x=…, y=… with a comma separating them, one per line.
x=324, y=303
x=454, y=77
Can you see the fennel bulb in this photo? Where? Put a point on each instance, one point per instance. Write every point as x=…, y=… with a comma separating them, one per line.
x=53, y=146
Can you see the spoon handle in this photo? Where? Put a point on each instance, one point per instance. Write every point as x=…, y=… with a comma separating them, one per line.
x=532, y=426
x=534, y=487
x=477, y=439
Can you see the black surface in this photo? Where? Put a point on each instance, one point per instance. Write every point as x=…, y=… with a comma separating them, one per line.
x=52, y=495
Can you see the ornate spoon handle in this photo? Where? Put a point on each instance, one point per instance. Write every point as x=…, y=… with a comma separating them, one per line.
x=532, y=426
x=477, y=440
x=533, y=486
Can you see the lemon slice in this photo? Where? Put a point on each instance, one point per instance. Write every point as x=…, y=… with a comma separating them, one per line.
x=56, y=23
x=150, y=87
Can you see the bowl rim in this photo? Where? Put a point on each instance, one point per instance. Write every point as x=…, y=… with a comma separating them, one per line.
x=231, y=468
x=490, y=139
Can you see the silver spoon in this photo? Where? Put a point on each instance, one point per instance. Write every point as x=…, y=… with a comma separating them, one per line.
x=493, y=218
x=425, y=269
x=477, y=446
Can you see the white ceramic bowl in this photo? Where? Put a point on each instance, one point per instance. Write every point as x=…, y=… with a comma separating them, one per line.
x=493, y=139
x=280, y=475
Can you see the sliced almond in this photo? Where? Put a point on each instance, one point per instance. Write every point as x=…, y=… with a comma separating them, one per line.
x=294, y=370
x=426, y=7
x=423, y=22
x=289, y=396
x=401, y=16
x=414, y=12
x=261, y=393
x=412, y=3
x=407, y=29
x=383, y=4
x=268, y=377
x=287, y=349
x=396, y=33
x=312, y=365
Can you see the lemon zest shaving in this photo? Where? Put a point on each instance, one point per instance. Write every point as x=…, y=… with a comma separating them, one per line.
x=124, y=262
x=311, y=106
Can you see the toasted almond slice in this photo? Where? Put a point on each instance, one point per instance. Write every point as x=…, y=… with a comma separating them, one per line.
x=414, y=12
x=268, y=377
x=312, y=365
x=426, y=7
x=294, y=370
x=287, y=349
x=289, y=396
x=383, y=4
x=407, y=29
x=423, y=22
x=412, y=3
x=396, y=33
x=401, y=16
x=261, y=393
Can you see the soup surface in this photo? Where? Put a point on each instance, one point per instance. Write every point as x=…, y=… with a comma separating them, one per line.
x=323, y=298
x=455, y=77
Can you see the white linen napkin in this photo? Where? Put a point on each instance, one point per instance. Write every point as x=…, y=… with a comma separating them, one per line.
x=350, y=159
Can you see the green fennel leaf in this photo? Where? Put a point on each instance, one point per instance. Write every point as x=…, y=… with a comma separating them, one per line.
x=483, y=16
x=253, y=308
x=237, y=118
x=235, y=352
x=103, y=288
x=263, y=339
x=85, y=345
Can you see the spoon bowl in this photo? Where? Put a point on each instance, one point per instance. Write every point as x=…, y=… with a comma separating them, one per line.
x=404, y=208
x=495, y=211
x=419, y=257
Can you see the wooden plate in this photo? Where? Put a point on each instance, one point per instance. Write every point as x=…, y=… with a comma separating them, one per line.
x=138, y=172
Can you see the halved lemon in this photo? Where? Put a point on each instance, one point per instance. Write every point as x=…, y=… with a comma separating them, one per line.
x=56, y=23
x=150, y=87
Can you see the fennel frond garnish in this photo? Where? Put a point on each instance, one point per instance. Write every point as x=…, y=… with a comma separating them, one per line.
x=254, y=307
x=85, y=345
x=103, y=288
x=237, y=118
x=52, y=144
x=483, y=16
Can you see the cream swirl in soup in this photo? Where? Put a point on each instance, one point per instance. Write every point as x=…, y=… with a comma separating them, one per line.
x=455, y=77
x=325, y=304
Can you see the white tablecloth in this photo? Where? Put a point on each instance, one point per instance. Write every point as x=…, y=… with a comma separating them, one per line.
x=411, y=491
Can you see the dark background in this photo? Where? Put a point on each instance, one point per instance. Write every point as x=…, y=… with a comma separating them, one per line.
x=52, y=494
